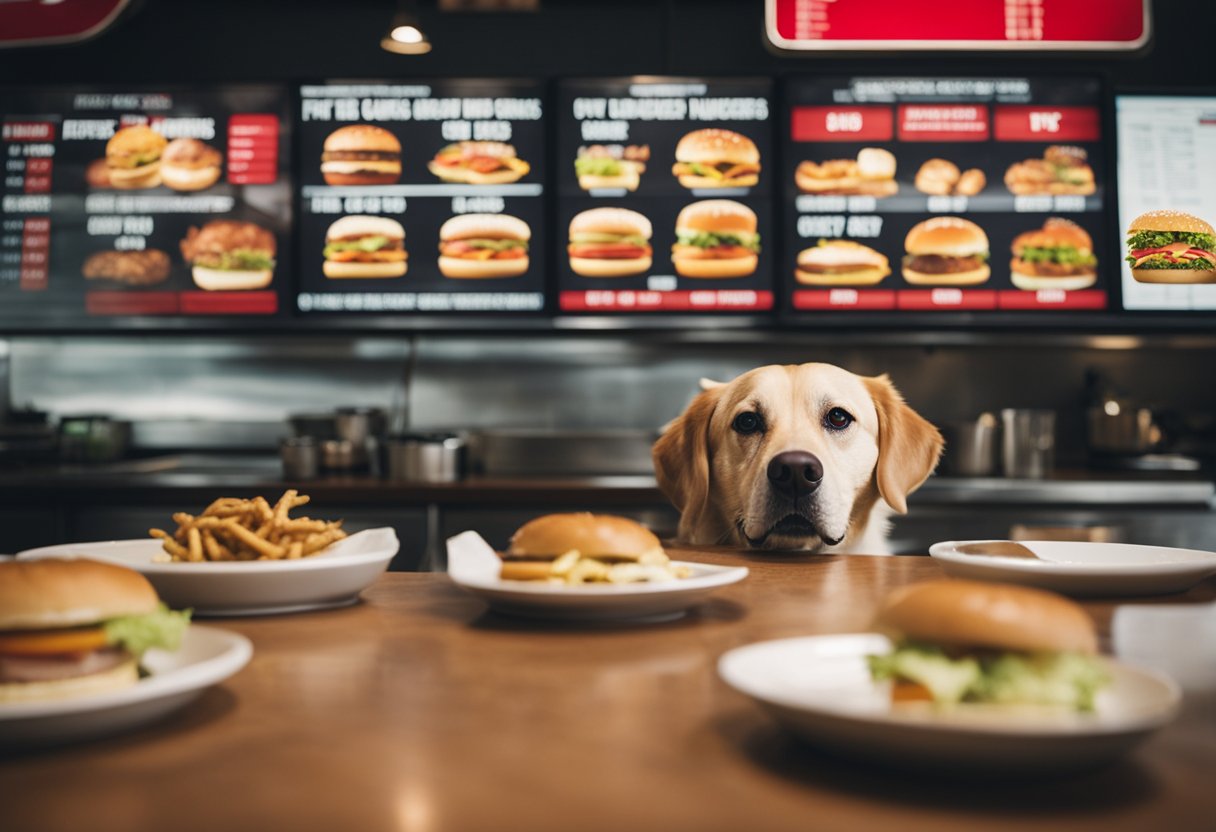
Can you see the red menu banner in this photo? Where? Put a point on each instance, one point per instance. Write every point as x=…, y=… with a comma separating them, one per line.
x=253, y=149
x=841, y=124
x=943, y=123
x=708, y=300
x=1031, y=123
x=947, y=299
x=861, y=300
x=229, y=303
x=35, y=254
x=1052, y=299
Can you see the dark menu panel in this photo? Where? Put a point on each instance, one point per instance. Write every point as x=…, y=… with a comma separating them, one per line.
x=944, y=194
x=664, y=196
x=130, y=203
x=422, y=198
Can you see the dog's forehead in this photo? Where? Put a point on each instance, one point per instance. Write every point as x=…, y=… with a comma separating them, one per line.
x=808, y=383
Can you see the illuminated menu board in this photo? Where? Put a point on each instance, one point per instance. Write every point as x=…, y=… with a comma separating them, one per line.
x=1167, y=191
x=664, y=196
x=125, y=203
x=422, y=198
x=944, y=195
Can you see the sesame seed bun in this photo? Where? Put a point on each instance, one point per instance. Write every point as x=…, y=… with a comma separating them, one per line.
x=362, y=137
x=138, y=139
x=947, y=236
x=1169, y=221
x=601, y=536
x=360, y=225
x=41, y=594
x=713, y=146
x=611, y=221
x=716, y=215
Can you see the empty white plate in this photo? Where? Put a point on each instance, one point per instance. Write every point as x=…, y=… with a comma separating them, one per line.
x=1084, y=568
x=820, y=688
x=333, y=577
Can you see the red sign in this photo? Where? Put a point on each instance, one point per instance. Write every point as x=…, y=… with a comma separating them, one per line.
x=841, y=124
x=1036, y=123
x=843, y=298
x=946, y=299
x=28, y=131
x=130, y=303
x=1032, y=25
x=253, y=149
x=35, y=254
x=699, y=300
x=27, y=22
x=1052, y=299
x=229, y=303
x=943, y=122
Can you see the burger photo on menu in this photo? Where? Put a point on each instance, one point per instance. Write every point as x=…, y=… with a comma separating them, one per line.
x=872, y=173
x=147, y=267
x=479, y=163
x=841, y=263
x=716, y=158
x=483, y=246
x=1062, y=170
x=97, y=174
x=1171, y=247
x=361, y=154
x=716, y=238
x=611, y=166
x=946, y=251
x=365, y=247
x=609, y=242
x=229, y=255
x=190, y=165
x=133, y=158
x=1060, y=255
x=941, y=177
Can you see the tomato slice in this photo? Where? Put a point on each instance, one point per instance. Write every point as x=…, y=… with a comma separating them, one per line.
x=906, y=691
x=50, y=642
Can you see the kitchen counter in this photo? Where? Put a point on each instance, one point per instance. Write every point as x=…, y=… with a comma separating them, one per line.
x=419, y=710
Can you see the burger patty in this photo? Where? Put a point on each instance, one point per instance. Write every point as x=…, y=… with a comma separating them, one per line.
x=60, y=666
x=847, y=268
x=940, y=264
x=134, y=268
x=359, y=156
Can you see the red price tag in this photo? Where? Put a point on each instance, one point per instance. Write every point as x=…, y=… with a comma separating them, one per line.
x=703, y=300
x=943, y=122
x=946, y=299
x=842, y=124
x=843, y=298
x=1052, y=299
x=28, y=131
x=253, y=149
x=130, y=303
x=35, y=254
x=1030, y=123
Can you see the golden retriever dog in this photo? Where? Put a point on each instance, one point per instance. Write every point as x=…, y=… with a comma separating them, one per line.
x=807, y=456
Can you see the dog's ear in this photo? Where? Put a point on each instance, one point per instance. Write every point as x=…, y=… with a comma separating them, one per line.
x=908, y=445
x=681, y=460
x=710, y=384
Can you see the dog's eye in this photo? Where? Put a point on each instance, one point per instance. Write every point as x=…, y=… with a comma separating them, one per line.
x=838, y=419
x=748, y=422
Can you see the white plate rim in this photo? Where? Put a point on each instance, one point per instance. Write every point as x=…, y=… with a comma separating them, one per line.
x=947, y=550
x=711, y=576
x=237, y=652
x=889, y=719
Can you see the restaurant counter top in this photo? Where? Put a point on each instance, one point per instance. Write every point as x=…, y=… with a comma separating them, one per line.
x=171, y=479
x=418, y=709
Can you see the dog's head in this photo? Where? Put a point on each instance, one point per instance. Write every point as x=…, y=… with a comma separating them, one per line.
x=792, y=457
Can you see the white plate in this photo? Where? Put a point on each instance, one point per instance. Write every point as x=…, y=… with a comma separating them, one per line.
x=473, y=565
x=1084, y=568
x=331, y=578
x=206, y=657
x=820, y=688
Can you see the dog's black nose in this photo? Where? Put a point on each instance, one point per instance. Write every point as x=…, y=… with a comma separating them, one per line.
x=795, y=473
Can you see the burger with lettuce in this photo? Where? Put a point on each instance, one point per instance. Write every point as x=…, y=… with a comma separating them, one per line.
x=1060, y=255
x=1171, y=247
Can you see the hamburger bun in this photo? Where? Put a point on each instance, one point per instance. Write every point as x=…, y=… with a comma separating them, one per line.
x=973, y=614
x=190, y=165
x=364, y=225
x=383, y=167
x=1169, y=221
x=339, y=270
x=231, y=280
x=610, y=267
x=130, y=179
x=492, y=226
x=611, y=221
x=628, y=179
x=971, y=277
x=697, y=182
x=461, y=268
x=722, y=267
x=937, y=177
x=1035, y=282
x=1054, y=233
x=841, y=263
x=600, y=536
x=42, y=594
x=875, y=163
x=135, y=141
x=712, y=146
x=717, y=215
x=947, y=236
x=116, y=678
x=1175, y=276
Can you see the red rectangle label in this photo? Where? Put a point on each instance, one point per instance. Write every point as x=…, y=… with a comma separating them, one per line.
x=130, y=303
x=1052, y=299
x=946, y=299
x=35, y=255
x=842, y=124
x=253, y=139
x=229, y=303
x=844, y=298
x=943, y=122
x=28, y=131
x=699, y=300
x=1036, y=123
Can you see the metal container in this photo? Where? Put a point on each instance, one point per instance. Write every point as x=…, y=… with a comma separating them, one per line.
x=1119, y=427
x=971, y=446
x=534, y=453
x=1028, y=443
x=319, y=426
x=93, y=438
x=337, y=455
x=301, y=457
x=426, y=457
x=362, y=427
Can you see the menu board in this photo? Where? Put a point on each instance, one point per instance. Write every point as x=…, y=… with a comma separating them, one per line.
x=664, y=196
x=1167, y=170
x=824, y=25
x=121, y=203
x=944, y=195
x=422, y=198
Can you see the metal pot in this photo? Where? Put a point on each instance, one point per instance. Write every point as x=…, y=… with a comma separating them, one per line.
x=426, y=457
x=1119, y=427
x=971, y=446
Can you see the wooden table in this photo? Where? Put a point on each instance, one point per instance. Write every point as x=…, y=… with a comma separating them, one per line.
x=418, y=710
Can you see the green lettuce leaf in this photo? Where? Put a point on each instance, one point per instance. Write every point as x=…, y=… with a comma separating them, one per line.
x=1162, y=263
x=949, y=680
x=137, y=633
x=237, y=260
x=1158, y=239
x=367, y=244
x=497, y=245
x=1066, y=255
x=708, y=239
x=597, y=166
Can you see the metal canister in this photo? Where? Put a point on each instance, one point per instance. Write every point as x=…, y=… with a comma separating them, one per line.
x=426, y=457
x=301, y=458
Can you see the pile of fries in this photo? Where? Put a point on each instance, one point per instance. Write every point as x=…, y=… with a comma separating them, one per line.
x=233, y=529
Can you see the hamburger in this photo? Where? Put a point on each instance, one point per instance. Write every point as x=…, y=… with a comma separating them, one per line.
x=361, y=246
x=715, y=158
x=77, y=627
x=227, y=255
x=609, y=242
x=190, y=165
x=946, y=251
x=361, y=154
x=478, y=163
x=973, y=642
x=1171, y=247
x=611, y=166
x=716, y=238
x=97, y=174
x=586, y=548
x=841, y=263
x=483, y=245
x=1064, y=169
x=1060, y=255
x=133, y=157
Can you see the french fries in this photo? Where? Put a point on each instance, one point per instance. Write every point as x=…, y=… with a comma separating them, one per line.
x=231, y=529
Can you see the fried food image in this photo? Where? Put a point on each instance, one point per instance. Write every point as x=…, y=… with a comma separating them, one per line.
x=1062, y=170
x=232, y=529
x=872, y=173
x=133, y=268
x=97, y=174
x=941, y=177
